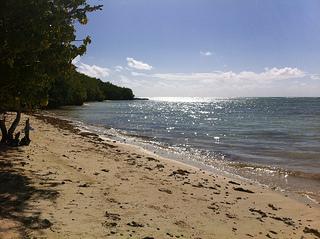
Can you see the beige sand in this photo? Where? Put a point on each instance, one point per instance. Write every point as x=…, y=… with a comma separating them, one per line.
x=68, y=185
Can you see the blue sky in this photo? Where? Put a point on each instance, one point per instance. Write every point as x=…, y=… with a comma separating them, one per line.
x=217, y=48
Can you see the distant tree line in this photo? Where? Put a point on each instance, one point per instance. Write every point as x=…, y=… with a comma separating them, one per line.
x=78, y=88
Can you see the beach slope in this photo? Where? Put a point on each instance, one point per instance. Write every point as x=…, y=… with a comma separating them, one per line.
x=71, y=184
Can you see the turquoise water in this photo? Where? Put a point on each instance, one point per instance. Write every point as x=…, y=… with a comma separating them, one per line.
x=280, y=134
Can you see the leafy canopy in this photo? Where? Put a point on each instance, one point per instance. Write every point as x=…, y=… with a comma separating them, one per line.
x=37, y=45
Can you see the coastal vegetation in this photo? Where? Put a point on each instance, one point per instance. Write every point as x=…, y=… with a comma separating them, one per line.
x=78, y=88
x=37, y=45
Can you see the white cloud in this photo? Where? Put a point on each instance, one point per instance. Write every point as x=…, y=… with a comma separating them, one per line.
x=118, y=68
x=315, y=76
x=124, y=79
x=276, y=81
x=93, y=70
x=139, y=65
x=286, y=81
x=267, y=75
x=90, y=70
x=133, y=73
x=206, y=53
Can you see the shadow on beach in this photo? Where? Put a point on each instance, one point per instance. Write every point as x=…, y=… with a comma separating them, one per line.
x=16, y=194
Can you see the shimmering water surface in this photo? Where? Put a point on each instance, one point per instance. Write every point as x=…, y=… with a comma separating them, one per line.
x=277, y=136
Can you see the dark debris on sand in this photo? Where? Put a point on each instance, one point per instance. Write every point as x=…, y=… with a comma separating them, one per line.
x=180, y=172
x=112, y=216
x=312, y=231
x=135, y=224
x=243, y=190
x=165, y=190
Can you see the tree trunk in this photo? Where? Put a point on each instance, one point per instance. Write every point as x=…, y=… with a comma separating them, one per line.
x=13, y=126
x=26, y=140
x=3, y=128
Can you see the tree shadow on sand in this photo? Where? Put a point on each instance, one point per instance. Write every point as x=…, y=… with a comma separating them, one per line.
x=16, y=193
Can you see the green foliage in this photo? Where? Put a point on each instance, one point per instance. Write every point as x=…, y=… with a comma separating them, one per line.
x=92, y=87
x=79, y=88
x=37, y=45
x=66, y=91
x=113, y=92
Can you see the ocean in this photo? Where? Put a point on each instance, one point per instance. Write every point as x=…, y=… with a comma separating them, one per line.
x=272, y=141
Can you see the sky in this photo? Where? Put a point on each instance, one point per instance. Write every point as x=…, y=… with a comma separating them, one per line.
x=205, y=48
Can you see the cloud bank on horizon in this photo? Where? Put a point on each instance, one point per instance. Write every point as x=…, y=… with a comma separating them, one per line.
x=285, y=81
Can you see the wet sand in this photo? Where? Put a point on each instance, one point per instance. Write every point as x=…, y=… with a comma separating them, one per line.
x=69, y=184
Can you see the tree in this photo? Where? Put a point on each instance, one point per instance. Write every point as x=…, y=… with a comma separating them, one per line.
x=67, y=91
x=113, y=92
x=37, y=45
x=78, y=88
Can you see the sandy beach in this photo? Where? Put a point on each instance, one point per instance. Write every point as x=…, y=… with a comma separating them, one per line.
x=71, y=184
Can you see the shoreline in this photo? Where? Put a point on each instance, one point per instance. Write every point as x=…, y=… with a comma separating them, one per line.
x=126, y=192
x=236, y=170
